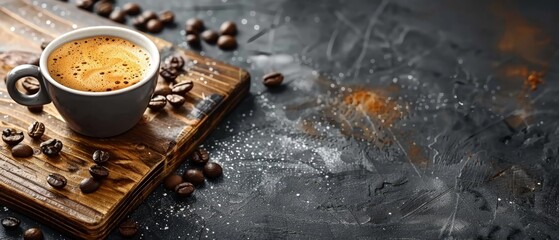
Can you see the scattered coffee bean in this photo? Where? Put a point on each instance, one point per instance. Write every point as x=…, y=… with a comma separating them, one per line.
x=98, y=172
x=162, y=90
x=194, y=176
x=100, y=157
x=51, y=147
x=226, y=42
x=89, y=185
x=157, y=103
x=31, y=85
x=56, y=180
x=149, y=15
x=212, y=170
x=154, y=26
x=228, y=28
x=132, y=9
x=210, y=36
x=10, y=223
x=139, y=22
x=272, y=79
x=184, y=189
x=35, y=109
x=33, y=234
x=118, y=16
x=12, y=136
x=200, y=156
x=167, y=17
x=128, y=228
x=169, y=74
x=44, y=44
x=193, y=40
x=176, y=100
x=36, y=129
x=103, y=8
x=172, y=181
x=182, y=88
x=85, y=4
x=194, y=26
x=176, y=62
x=22, y=151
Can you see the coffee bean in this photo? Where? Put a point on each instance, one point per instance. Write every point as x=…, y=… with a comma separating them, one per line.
x=176, y=100
x=51, y=147
x=193, y=40
x=103, y=8
x=100, y=157
x=172, y=181
x=22, y=151
x=31, y=85
x=162, y=90
x=272, y=79
x=10, y=223
x=33, y=234
x=132, y=9
x=210, y=36
x=44, y=44
x=193, y=176
x=226, y=42
x=184, y=189
x=98, y=172
x=200, y=156
x=157, y=103
x=128, y=228
x=118, y=16
x=85, y=4
x=56, y=180
x=89, y=185
x=139, y=22
x=194, y=26
x=228, y=28
x=213, y=170
x=36, y=129
x=35, y=109
x=167, y=17
x=149, y=15
x=182, y=88
x=176, y=62
x=169, y=74
x=154, y=26
x=12, y=136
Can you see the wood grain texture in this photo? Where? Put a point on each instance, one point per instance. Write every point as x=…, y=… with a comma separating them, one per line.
x=140, y=158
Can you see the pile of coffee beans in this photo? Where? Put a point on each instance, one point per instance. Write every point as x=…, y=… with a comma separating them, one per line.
x=13, y=138
x=195, y=29
x=173, y=92
x=98, y=172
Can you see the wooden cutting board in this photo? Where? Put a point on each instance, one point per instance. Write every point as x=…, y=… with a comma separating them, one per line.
x=140, y=158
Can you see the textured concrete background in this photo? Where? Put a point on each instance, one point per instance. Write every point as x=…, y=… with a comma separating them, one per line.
x=397, y=119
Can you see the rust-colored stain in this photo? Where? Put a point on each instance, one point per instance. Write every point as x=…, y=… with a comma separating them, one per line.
x=374, y=104
x=417, y=155
x=534, y=80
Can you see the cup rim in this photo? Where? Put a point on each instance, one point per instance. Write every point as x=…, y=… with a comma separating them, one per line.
x=86, y=32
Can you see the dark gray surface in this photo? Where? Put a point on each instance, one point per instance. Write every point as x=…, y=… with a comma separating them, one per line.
x=448, y=161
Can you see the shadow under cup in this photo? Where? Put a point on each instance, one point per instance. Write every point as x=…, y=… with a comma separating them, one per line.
x=94, y=114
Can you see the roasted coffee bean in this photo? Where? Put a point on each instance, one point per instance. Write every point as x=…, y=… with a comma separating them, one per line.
x=169, y=74
x=210, y=36
x=33, y=234
x=118, y=16
x=36, y=129
x=272, y=79
x=226, y=42
x=132, y=9
x=175, y=100
x=22, y=151
x=44, y=44
x=51, y=147
x=85, y=4
x=89, y=185
x=139, y=22
x=157, y=103
x=149, y=15
x=193, y=40
x=12, y=136
x=182, y=88
x=212, y=170
x=98, y=172
x=128, y=228
x=172, y=181
x=154, y=26
x=10, y=223
x=100, y=157
x=56, y=180
x=193, y=176
x=103, y=8
x=162, y=90
x=167, y=17
x=200, y=156
x=194, y=26
x=176, y=62
x=31, y=85
x=35, y=109
x=228, y=28
x=184, y=189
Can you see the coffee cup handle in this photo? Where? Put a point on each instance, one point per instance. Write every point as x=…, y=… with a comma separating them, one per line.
x=39, y=98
